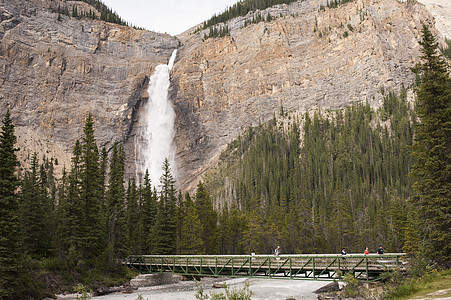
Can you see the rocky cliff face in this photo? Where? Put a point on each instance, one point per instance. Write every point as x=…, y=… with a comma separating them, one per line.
x=307, y=57
x=441, y=10
x=54, y=72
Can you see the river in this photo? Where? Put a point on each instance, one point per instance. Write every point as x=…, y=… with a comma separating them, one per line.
x=261, y=288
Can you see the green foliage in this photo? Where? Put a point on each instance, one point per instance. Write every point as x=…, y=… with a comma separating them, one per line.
x=165, y=231
x=337, y=3
x=82, y=292
x=116, y=214
x=351, y=288
x=91, y=239
x=208, y=219
x=432, y=148
x=431, y=280
x=106, y=13
x=200, y=295
x=346, y=184
x=10, y=235
x=77, y=230
x=192, y=231
x=230, y=293
x=140, y=297
x=241, y=8
x=35, y=211
x=148, y=212
x=237, y=294
x=135, y=234
x=447, y=50
x=217, y=31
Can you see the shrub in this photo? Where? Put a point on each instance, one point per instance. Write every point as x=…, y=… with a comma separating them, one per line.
x=351, y=288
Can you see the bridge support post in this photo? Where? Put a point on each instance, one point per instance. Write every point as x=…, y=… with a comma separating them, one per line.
x=366, y=268
x=313, y=267
x=216, y=266
x=291, y=270
x=232, y=266
x=269, y=268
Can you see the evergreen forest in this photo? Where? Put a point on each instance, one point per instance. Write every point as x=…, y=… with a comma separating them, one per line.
x=217, y=24
x=101, y=12
x=344, y=184
x=309, y=183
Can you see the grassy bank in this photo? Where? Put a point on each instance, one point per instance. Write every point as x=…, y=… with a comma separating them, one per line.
x=434, y=284
x=47, y=277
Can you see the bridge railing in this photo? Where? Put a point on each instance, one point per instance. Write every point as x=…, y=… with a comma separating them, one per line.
x=294, y=266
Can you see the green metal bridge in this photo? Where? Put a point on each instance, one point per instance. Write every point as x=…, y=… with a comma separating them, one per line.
x=295, y=266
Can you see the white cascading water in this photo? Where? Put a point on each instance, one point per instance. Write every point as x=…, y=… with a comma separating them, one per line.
x=157, y=132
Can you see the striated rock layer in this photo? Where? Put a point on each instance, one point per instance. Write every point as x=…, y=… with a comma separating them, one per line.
x=308, y=56
x=53, y=73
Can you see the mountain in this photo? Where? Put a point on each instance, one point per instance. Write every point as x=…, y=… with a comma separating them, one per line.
x=54, y=72
x=57, y=68
x=307, y=56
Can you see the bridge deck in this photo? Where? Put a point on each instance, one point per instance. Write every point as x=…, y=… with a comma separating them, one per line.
x=303, y=266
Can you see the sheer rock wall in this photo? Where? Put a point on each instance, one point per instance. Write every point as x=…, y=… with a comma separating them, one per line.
x=53, y=73
x=306, y=57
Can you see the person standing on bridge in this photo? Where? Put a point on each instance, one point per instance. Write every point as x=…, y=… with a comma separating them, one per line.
x=366, y=252
x=343, y=252
x=277, y=251
x=380, y=250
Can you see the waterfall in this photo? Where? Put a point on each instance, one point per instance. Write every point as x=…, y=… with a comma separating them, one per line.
x=156, y=135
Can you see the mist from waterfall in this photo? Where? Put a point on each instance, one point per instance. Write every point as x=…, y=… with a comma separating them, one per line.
x=155, y=141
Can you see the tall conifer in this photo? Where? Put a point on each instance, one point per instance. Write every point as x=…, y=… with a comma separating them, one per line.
x=191, y=230
x=134, y=220
x=165, y=231
x=432, y=148
x=148, y=213
x=10, y=249
x=35, y=211
x=69, y=211
x=116, y=215
x=208, y=218
x=92, y=234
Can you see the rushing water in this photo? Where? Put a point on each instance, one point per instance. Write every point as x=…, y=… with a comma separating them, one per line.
x=261, y=288
x=155, y=142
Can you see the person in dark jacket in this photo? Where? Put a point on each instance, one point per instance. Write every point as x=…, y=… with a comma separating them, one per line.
x=380, y=250
x=343, y=252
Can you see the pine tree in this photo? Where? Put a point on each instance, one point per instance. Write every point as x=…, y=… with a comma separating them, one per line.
x=165, y=231
x=191, y=230
x=148, y=214
x=208, y=218
x=10, y=236
x=432, y=148
x=103, y=173
x=224, y=230
x=116, y=213
x=134, y=220
x=69, y=213
x=92, y=233
x=35, y=211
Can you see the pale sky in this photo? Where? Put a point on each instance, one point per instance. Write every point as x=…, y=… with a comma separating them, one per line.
x=171, y=16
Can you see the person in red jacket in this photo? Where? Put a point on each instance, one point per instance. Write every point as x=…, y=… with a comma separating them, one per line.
x=366, y=252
